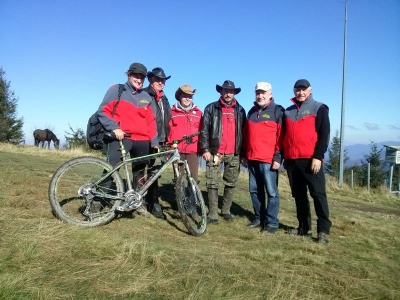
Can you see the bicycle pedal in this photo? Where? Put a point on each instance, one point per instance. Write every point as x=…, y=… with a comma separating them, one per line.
x=120, y=208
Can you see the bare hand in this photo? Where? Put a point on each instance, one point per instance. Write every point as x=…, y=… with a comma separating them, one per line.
x=315, y=165
x=156, y=149
x=243, y=160
x=206, y=156
x=119, y=134
x=275, y=165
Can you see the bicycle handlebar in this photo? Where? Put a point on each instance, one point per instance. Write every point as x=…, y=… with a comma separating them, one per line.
x=187, y=138
x=111, y=135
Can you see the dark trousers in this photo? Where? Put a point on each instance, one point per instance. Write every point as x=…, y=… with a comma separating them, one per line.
x=152, y=193
x=301, y=177
x=135, y=149
x=193, y=163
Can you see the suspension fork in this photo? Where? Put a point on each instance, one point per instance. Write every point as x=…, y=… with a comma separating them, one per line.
x=180, y=165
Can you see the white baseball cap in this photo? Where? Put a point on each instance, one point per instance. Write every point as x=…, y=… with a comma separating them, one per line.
x=264, y=86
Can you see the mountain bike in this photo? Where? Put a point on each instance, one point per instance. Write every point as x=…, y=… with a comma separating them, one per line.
x=88, y=191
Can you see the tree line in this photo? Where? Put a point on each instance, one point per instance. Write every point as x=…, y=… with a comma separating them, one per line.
x=378, y=174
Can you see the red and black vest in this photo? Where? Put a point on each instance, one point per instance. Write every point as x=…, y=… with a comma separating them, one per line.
x=300, y=135
x=261, y=133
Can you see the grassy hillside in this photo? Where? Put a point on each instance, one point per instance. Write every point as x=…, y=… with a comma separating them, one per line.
x=138, y=258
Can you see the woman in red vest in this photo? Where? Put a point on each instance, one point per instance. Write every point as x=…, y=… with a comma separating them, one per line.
x=185, y=120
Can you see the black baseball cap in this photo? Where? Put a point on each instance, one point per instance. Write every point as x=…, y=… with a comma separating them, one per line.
x=302, y=83
x=138, y=68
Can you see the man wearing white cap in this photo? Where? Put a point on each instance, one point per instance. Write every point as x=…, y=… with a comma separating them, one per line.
x=262, y=157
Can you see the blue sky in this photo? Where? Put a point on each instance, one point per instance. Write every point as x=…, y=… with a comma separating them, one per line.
x=62, y=56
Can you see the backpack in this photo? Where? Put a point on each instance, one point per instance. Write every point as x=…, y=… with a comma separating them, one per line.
x=95, y=130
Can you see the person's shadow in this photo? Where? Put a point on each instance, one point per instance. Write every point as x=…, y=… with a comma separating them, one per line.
x=167, y=194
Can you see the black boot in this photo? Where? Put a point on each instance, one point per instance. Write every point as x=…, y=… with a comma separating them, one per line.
x=153, y=205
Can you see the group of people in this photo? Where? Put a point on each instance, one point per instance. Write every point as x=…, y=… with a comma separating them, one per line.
x=261, y=140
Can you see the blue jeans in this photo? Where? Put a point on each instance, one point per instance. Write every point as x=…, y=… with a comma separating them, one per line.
x=261, y=179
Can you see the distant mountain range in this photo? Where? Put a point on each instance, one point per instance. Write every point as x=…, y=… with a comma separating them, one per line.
x=356, y=152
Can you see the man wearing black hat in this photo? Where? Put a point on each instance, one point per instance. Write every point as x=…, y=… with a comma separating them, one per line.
x=221, y=142
x=135, y=116
x=305, y=141
x=161, y=106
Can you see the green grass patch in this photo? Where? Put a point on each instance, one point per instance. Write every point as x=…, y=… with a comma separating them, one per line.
x=138, y=258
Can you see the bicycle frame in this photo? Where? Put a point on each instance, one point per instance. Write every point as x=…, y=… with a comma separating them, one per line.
x=174, y=157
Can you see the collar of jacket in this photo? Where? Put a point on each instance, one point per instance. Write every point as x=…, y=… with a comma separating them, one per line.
x=152, y=91
x=221, y=103
x=298, y=103
x=258, y=107
x=178, y=106
x=132, y=88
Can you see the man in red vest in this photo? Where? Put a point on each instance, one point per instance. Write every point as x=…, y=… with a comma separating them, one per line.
x=262, y=156
x=305, y=140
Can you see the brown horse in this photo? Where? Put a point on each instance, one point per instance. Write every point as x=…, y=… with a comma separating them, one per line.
x=42, y=136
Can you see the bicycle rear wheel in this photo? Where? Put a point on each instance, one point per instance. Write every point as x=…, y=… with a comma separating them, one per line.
x=78, y=197
x=191, y=204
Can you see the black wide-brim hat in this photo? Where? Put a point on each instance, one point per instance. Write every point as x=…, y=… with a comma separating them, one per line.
x=158, y=72
x=228, y=85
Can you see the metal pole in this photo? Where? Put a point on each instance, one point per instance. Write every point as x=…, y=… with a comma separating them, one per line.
x=368, y=176
x=341, y=156
x=398, y=180
x=352, y=178
x=391, y=177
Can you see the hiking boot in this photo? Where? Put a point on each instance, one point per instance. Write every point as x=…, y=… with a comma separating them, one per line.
x=269, y=230
x=254, y=224
x=142, y=211
x=323, y=238
x=227, y=201
x=228, y=217
x=157, y=211
x=211, y=221
x=213, y=204
x=299, y=231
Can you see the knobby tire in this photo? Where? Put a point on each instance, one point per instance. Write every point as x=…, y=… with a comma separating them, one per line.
x=66, y=186
x=191, y=205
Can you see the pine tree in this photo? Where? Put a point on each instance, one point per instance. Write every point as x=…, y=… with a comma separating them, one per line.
x=332, y=166
x=10, y=125
x=75, y=139
x=377, y=173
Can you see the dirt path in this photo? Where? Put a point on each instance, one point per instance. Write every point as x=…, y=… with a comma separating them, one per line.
x=374, y=209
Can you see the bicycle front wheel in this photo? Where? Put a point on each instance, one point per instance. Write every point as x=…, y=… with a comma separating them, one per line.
x=77, y=195
x=190, y=203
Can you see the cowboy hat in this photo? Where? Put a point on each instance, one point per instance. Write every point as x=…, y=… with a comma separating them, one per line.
x=184, y=89
x=158, y=72
x=228, y=85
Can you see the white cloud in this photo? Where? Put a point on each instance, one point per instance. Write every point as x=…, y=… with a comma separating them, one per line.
x=371, y=126
x=395, y=126
x=352, y=127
